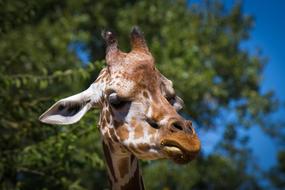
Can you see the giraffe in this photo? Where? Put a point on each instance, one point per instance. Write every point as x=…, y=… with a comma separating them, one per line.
x=139, y=113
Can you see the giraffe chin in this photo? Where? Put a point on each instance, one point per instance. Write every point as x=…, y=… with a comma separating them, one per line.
x=176, y=152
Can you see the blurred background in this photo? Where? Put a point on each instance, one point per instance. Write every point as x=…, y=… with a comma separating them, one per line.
x=224, y=57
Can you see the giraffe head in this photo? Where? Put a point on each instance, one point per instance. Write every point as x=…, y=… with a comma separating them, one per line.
x=139, y=107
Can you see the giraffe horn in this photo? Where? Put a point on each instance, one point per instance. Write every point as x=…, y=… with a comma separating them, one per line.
x=111, y=41
x=137, y=40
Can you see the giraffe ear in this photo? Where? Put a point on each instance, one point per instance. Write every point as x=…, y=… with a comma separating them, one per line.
x=71, y=109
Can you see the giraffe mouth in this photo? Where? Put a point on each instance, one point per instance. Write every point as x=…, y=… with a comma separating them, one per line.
x=176, y=152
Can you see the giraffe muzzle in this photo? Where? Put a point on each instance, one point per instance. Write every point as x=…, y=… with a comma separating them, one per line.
x=180, y=144
x=181, y=150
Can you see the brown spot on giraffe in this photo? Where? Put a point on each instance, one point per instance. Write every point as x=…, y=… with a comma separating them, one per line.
x=123, y=133
x=145, y=94
x=122, y=166
x=108, y=115
x=138, y=132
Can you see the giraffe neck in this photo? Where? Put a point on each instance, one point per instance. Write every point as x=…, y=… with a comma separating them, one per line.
x=123, y=169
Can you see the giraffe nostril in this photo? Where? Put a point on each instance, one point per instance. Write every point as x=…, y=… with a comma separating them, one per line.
x=177, y=126
x=61, y=107
x=152, y=123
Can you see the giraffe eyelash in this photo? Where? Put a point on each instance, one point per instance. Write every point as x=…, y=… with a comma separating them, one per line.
x=119, y=104
x=116, y=101
x=171, y=100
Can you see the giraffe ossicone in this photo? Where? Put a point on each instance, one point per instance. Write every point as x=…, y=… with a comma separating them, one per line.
x=139, y=113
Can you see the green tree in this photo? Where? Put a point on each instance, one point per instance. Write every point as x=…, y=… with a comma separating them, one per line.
x=195, y=45
x=277, y=173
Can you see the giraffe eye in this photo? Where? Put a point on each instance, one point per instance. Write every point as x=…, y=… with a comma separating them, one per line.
x=171, y=100
x=176, y=102
x=115, y=101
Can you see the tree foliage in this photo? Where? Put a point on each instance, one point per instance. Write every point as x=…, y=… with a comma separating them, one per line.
x=51, y=49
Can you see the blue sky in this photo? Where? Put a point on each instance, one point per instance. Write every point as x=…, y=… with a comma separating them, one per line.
x=267, y=34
